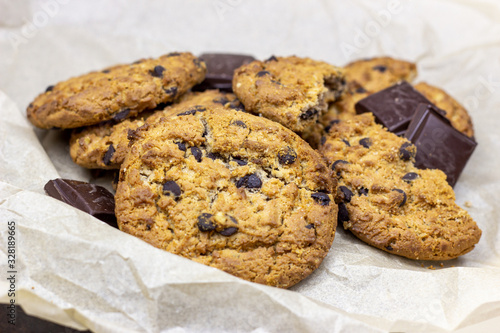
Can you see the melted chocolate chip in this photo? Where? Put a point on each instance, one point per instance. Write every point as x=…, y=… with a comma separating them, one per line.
x=410, y=176
x=249, y=181
x=239, y=123
x=322, y=198
x=345, y=194
x=380, y=68
x=363, y=191
x=121, y=115
x=181, y=145
x=262, y=73
x=309, y=114
x=287, y=155
x=109, y=154
x=157, y=71
x=343, y=215
x=366, y=142
x=205, y=222
x=405, y=153
x=228, y=231
x=171, y=187
x=49, y=88
x=404, y=196
x=172, y=91
x=198, y=155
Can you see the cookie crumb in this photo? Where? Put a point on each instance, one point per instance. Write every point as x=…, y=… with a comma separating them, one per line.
x=468, y=204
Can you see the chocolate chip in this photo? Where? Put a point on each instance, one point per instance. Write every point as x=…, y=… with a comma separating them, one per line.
x=405, y=153
x=233, y=219
x=228, y=231
x=121, y=115
x=310, y=226
x=172, y=91
x=404, y=196
x=157, y=71
x=205, y=222
x=322, y=198
x=173, y=54
x=361, y=90
x=109, y=154
x=249, y=181
x=323, y=140
x=276, y=82
x=199, y=108
x=309, y=114
x=345, y=194
x=105, y=71
x=287, y=155
x=239, y=123
x=197, y=62
x=343, y=215
x=240, y=161
x=346, y=142
x=363, y=191
x=181, y=145
x=236, y=105
x=380, y=68
x=389, y=248
x=272, y=58
x=365, y=142
x=171, y=187
x=49, y=88
x=221, y=100
x=337, y=162
x=263, y=73
x=214, y=156
x=410, y=176
x=330, y=124
x=197, y=153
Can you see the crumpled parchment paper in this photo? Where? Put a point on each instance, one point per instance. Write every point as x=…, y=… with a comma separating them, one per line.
x=78, y=271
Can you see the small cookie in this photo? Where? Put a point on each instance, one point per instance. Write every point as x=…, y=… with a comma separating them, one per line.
x=289, y=90
x=104, y=146
x=230, y=190
x=455, y=112
x=363, y=77
x=117, y=92
x=390, y=204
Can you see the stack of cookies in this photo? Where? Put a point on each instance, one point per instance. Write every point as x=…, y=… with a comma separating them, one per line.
x=250, y=172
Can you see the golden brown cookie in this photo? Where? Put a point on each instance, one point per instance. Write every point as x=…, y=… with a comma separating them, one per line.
x=455, y=112
x=230, y=190
x=290, y=90
x=104, y=146
x=390, y=204
x=117, y=92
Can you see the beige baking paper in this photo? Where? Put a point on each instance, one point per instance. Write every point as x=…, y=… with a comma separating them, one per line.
x=78, y=271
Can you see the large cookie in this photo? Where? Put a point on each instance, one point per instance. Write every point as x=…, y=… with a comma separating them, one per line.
x=116, y=92
x=104, y=146
x=455, y=112
x=289, y=90
x=230, y=190
x=389, y=203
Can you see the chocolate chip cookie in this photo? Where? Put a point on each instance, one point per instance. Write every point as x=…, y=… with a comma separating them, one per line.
x=230, y=190
x=117, y=92
x=104, y=146
x=390, y=204
x=292, y=91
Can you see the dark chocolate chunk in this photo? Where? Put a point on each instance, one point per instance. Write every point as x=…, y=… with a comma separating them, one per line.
x=310, y=226
x=228, y=231
x=366, y=142
x=345, y=194
x=197, y=153
x=287, y=155
x=181, y=145
x=404, y=196
x=272, y=58
x=406, y=151
x=380, y=68
x=322, y=198
x=90, y=198
x=49, y=88
x=220, y=69
x=343, y=215
x=410, y=176
x=157, y=71
x=249, y=181
x=240, y=161
x=109, y=155
x=439, y=145
x=363, y=191
x=393, y=107
x=262, y=73
x=205, y=222
x=239, y=123
x=172, y=91
x=121, y=115
x=306, y=115
x=171, y=187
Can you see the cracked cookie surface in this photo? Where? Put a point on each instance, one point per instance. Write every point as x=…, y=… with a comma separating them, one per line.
x=104, y=146
x=116, y=92
x=292, y=91
x=230, y=190
x=387, y=202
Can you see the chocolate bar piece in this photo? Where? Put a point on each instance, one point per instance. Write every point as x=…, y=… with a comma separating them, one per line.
x=220, y=69
x=439, y=145
x=393, y=107
x=92, y=199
